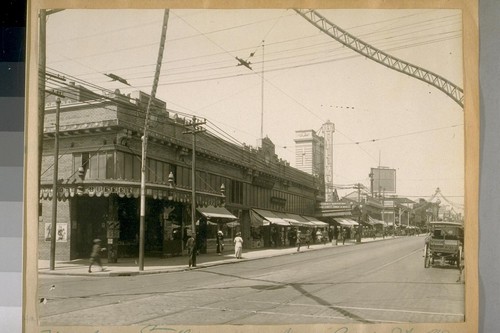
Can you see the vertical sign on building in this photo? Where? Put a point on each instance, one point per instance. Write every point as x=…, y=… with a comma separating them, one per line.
x=328, y=130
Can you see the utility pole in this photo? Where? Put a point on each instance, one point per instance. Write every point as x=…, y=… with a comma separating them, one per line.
x=360, y=227
x=41, y=82
x=53, y=225
x=371, y=181
x=193, y=128
x=262, y=99
x=142, y=218
x=42, y=59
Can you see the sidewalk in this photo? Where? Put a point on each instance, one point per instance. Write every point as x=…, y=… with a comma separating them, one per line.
x=129, y=266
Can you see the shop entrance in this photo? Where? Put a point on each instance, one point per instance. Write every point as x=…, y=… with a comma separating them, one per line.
x=88, y=224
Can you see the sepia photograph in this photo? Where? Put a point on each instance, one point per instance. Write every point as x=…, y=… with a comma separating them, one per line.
x=233, y=167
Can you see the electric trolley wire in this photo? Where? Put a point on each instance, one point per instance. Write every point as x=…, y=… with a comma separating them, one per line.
x=271, y=44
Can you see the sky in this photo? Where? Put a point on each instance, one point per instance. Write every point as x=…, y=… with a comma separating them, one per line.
x=300, y=79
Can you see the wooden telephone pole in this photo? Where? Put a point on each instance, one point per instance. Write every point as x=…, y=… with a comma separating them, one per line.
x=142, y=218
x=194, y=127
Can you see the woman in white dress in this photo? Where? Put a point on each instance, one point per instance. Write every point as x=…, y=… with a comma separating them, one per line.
x=238, y=245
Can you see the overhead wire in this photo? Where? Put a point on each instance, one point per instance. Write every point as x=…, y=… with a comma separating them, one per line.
x=399, y=135
x=224, y=52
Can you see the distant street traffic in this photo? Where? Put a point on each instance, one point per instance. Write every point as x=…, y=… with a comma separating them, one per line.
x=370, y=283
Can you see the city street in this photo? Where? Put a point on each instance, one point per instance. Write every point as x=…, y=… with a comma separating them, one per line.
x=373, y=282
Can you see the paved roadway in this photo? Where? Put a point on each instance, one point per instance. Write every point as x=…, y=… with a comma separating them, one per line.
x=370, y=283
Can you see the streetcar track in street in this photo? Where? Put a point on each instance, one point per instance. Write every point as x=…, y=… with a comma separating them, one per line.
x=370, y=309
x=345, y=312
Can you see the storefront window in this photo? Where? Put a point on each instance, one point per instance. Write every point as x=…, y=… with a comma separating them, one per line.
x=236, y=192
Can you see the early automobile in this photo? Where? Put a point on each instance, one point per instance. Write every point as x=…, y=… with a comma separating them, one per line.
x=444, y=244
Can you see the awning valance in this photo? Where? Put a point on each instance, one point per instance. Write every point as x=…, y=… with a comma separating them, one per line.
x=216, y=213
x=346, y=222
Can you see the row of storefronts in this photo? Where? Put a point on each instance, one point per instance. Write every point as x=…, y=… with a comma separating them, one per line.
x=98, y=190
x=238, y=188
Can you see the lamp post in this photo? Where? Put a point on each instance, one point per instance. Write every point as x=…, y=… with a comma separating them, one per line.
x=223, y=194
x=170, y=195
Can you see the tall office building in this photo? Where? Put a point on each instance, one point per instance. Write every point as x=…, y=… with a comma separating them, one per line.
x=314, y=155
x=309, y=150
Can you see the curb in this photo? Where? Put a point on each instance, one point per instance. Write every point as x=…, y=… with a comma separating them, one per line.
x=199, y=266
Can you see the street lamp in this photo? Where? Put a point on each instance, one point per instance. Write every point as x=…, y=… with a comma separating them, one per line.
x=223, y=194
x=170, y=196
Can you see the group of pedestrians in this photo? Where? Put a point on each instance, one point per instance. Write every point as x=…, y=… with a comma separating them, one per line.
x=191, y=248
x=301, y=239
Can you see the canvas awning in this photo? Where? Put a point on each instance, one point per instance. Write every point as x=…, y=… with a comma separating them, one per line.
x=293, y=220
x=315, y=221
x=216, y=213
x=302, y=220
x=265, y=217
x=345, y=222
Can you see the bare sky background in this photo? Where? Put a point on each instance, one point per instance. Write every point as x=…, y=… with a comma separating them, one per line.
x=309, y=78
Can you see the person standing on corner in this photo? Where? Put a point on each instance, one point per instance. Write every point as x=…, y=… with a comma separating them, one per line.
x=238, y=245
x=95, y=256
x=299, y=236
x=220, y=242
x=190, y=246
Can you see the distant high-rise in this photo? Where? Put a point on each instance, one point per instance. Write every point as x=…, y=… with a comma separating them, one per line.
x=328, y=129
x=309, y=152
x=314, y=155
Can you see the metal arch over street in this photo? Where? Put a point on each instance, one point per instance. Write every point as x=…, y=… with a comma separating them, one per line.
x=357, y=45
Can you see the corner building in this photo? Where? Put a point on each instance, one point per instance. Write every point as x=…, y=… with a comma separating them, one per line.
x=99, y=180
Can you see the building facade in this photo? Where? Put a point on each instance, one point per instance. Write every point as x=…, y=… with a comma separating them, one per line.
x=98, y=186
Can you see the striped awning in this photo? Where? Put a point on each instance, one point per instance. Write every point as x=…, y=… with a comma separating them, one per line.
x=265, y=217
x=216, y=212
x=315, y=221
x=296, y=220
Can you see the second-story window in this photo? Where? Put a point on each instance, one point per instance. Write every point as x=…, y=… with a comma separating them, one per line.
x=236, y=192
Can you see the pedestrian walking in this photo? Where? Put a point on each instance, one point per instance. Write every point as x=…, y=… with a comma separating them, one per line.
x=308, y=237
x=190, y=246
x=220, y=242
x=344, y=235
x=238, y=245
x=95, y=256
x=325, y=236
x=299, y=240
